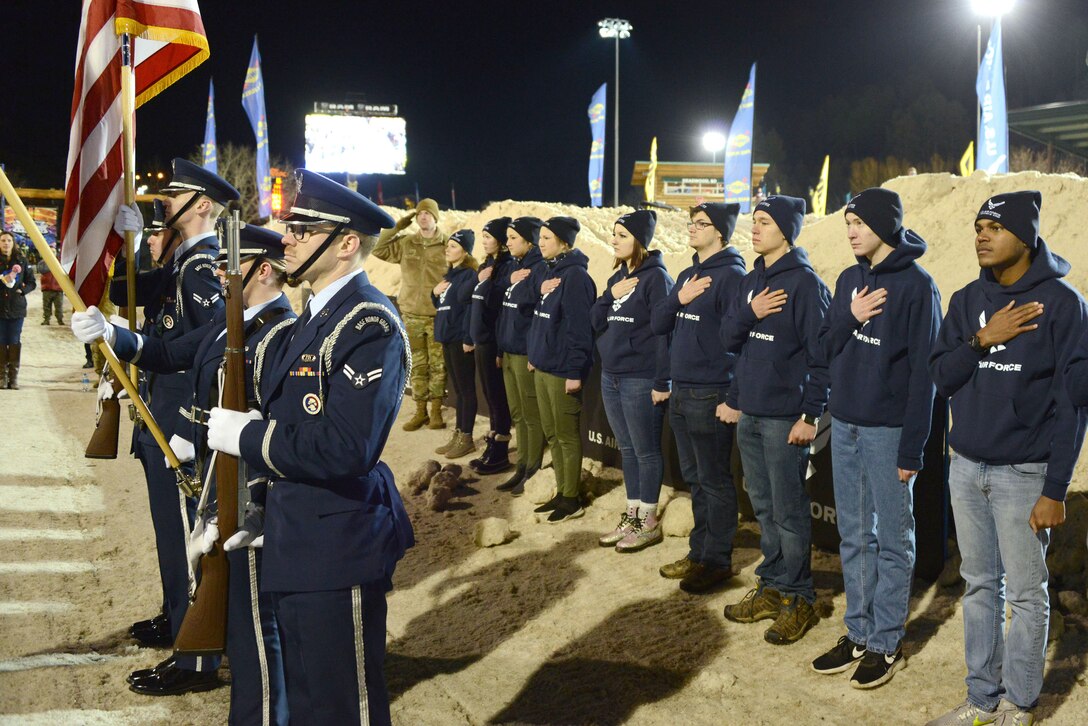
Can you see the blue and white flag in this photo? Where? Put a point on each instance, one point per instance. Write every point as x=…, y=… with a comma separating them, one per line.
x=596, y=151
x=211, y=162
x=738, y=149
x=992, y=150
x=253, y=103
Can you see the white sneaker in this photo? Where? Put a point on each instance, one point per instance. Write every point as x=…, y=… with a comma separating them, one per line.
x=1009, y=714
x=965, y=714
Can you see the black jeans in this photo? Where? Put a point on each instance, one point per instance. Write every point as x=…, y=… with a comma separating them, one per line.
x=461, y=367
x=494, y=388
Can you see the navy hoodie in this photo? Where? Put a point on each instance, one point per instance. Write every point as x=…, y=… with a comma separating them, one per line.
x=561, y=336
x=518, y=301
x=1076, y=374
x=487, y=298
x=697, y=356
x=880, y=369
x=452, y=307
x=1009, y=405
x=624, y=337
x=780, y=371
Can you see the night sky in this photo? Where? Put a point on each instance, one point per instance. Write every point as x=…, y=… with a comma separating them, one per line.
x=495, y=93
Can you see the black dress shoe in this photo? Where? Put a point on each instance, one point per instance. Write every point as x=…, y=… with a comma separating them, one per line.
x=173, y=681
x=154, y=633
x=145, y=673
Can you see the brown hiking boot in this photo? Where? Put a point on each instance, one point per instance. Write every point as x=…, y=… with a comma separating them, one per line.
x=435, y=421
x=449, y=444
x=678, y=569
x=761, y=603
x=796, y=618
x=418, y=419
x=704, y=578
x=462, y=445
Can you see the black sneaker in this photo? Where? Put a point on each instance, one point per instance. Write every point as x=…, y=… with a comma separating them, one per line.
x=845, y=653
x=877, y=668
x=518, y=477
x=550, y=505
x=566, y=508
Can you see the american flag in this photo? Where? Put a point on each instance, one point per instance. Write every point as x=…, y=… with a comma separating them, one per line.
x=168, y=41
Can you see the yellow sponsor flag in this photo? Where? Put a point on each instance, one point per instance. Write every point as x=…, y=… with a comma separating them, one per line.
x=819, y=197
x=651, y=173
x=967, y=161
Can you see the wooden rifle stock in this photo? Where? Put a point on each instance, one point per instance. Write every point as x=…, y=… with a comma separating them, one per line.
x=204, y=629
x=103, y=443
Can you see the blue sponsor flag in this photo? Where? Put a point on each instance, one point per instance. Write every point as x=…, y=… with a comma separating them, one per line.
x=253, y=103
x=738, y=149
x=210, y=160
x=992, y=153
x=596, y=150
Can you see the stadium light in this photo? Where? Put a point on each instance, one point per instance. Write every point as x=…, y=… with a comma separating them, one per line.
x=992, y=8
x=617, y=29
x=713, y=141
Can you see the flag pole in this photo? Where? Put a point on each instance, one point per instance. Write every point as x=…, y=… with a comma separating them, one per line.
x=128, y=150
x=185, y=482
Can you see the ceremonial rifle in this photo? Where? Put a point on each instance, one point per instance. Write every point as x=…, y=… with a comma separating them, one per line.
x=204, y=629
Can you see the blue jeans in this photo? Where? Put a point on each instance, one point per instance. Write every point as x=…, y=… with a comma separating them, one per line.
x=992, y=505
x=875, y=514
x=774, y=471
x=10, y=330
x=637, y=423
x=704, y=445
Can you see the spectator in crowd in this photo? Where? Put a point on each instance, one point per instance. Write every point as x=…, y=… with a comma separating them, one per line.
x=52, y=297
x=452, y=298
x=780, y=387
x=561, y=354
x=635, y=381
x=701, y=371
x=17, y=277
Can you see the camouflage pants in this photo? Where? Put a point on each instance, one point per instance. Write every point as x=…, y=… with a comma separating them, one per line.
x=428, y=366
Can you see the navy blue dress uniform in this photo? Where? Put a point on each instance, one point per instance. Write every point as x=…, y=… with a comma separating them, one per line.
x=258, y=693
x=329, y=387
x=177, y=298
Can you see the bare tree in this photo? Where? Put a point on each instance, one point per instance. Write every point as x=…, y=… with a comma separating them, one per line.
x=238, y=165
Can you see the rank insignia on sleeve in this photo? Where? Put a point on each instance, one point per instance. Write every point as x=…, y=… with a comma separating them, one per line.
x=206, y=302
x=311, y=404
x=361, y=380
x=167, y=322
x=374, y=320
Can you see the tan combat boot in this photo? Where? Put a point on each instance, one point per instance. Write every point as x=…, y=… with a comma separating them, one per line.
x=436, y=421
x=418, y=419
x=454, y=440
x=464, y=445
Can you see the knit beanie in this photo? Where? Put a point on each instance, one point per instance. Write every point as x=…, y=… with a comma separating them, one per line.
x=882, y=211
x=428, y=205
x=565, y=228
x=722, y=215
x=787, y=212
x=641, y=224
x=1017, y=212
x=497, y=229
x=464, y=237
x=528, y=228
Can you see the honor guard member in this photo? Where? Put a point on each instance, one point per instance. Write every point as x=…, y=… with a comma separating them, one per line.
x=178, y=297
x=329, y=388
x=257, y=691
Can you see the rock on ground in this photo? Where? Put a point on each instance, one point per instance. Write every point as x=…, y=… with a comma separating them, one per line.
x=491, y=532
x=678, y=519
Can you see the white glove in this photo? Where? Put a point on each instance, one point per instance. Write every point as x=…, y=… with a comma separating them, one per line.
x=201, y=540
x=105, y=389
x=182, y=448
x=92, y=325
x=129, y=219
x=225, y=429
x=251, y=533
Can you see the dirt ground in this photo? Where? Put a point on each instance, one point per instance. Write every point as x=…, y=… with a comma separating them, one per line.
x=547, y=629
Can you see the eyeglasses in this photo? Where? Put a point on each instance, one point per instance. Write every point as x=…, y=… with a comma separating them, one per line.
x=302, y=231
x=700, y=225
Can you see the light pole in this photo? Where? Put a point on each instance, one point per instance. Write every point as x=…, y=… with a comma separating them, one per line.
x=713, y=141
x=618, y=29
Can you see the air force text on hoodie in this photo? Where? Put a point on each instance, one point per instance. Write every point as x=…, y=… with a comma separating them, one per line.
x=518, y=301
x=880, y=368
x=627, y=344
x=1010, y=404
x=487, y=297
x=561, y=335
x=453, y=307
x=780, y=370
x=697, y=356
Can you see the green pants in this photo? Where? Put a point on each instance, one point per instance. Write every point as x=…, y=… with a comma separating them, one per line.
x=428, y=365
x=561, y=414
x=521, y=397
